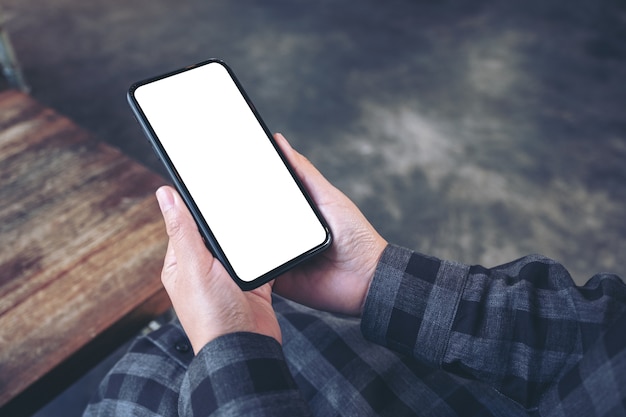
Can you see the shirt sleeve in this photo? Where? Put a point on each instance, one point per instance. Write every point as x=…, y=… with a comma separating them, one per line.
x=240, y=374
x=518, y=327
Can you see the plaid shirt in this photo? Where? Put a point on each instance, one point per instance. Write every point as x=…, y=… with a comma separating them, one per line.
x=460, y=340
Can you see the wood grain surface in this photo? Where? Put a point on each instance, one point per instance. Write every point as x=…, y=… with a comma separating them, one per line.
x=82, y=243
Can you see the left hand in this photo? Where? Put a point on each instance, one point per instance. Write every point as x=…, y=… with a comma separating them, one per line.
x=207, y=301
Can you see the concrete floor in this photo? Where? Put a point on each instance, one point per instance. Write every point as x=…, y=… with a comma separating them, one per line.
x=477, y=130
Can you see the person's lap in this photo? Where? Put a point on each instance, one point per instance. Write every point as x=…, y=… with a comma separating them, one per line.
x=341, y=373
x=336, y=369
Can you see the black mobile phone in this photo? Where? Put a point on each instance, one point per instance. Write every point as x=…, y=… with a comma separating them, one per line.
x=253, y=213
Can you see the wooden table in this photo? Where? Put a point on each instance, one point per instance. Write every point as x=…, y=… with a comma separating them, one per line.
x=81, y=249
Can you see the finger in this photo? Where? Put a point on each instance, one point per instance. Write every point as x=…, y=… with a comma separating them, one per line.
x=298, y=161
x=168, y=273
x=185, y=242
x=313, y=180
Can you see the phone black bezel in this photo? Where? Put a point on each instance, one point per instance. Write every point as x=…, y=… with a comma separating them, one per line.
x=209, y=239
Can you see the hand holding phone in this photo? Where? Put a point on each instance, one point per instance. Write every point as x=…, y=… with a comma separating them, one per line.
x=250, y=208
x=207, y=301
x=338, y=280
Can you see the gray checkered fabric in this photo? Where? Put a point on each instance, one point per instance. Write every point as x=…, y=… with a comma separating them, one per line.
x=437, y=338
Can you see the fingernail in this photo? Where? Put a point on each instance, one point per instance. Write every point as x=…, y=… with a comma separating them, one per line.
x=165, y=197
x=282, y=138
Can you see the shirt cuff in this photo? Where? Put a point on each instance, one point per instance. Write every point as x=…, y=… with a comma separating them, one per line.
x=241, y=374
x=411, y=303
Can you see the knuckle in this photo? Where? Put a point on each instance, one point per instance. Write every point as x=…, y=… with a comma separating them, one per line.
x=169, y=270
x=165, y=277
x=174, y=225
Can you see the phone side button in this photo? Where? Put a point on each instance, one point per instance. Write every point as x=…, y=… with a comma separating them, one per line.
x=156, y=153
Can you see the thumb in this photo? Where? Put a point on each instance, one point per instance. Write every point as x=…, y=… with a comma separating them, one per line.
x=185, y=248
x=170, y=265
x=315, y=183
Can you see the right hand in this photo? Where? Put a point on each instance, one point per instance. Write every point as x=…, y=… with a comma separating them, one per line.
x=207, y=301
x=337, y=279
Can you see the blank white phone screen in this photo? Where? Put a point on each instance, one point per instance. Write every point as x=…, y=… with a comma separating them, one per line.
x=245, y=193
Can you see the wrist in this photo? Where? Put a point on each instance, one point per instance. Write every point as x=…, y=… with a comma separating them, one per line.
x=376, y=254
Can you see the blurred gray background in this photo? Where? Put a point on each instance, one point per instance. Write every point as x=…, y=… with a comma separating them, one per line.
x=478, y=131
